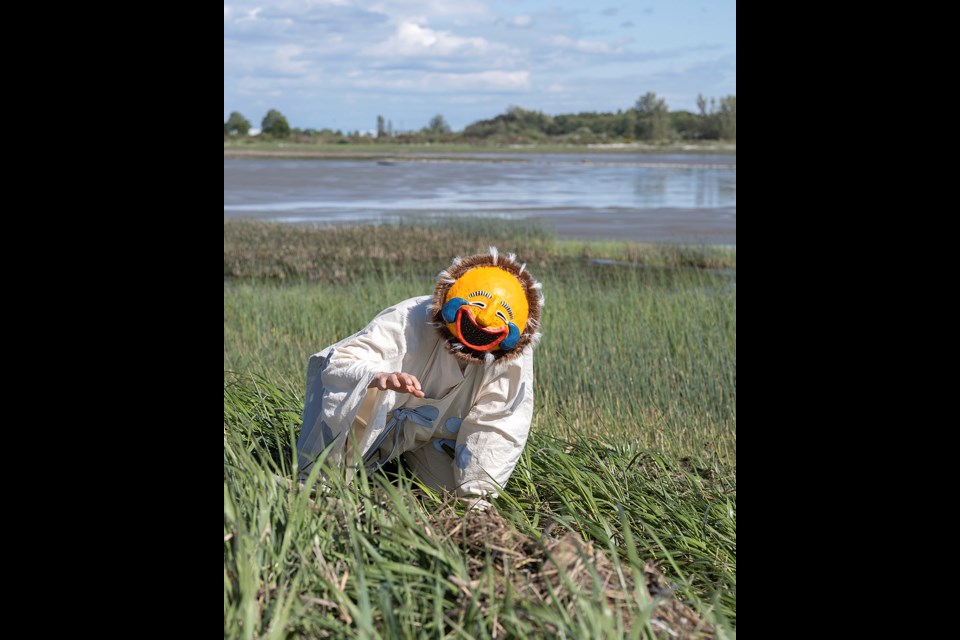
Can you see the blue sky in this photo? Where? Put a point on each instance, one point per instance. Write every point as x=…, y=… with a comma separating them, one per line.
x=340, y=63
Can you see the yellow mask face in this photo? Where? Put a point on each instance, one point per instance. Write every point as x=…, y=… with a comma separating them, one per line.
x=486, y=308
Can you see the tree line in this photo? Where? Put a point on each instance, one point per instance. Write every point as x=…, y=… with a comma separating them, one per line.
x=649, y=120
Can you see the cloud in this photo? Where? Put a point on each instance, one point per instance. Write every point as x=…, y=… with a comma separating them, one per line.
x=412, y=39
x=678, y=85
x=497, y=81
x=250, y=14
x=411, y=9
x=287, y=61
x=304, y=23
x=492, y=80
x=254, y=86
x=585, y=46
x=334, y=60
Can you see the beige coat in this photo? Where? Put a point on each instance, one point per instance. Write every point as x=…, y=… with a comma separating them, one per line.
x=465, y=435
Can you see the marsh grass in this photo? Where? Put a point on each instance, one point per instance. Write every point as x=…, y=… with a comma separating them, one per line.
x=420, y=247
x=632, y=451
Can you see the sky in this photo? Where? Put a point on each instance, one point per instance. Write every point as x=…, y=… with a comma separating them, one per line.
x=338, y=64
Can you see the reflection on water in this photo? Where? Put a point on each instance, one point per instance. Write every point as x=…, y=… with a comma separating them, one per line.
x=650, y=187
x=684, y=187
x=631, y=196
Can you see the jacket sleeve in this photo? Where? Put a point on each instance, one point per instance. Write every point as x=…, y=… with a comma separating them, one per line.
x=354, y=361
x=494, y=433
x=337, y=380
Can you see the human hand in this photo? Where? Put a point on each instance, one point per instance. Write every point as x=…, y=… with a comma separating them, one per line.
x=396, y=381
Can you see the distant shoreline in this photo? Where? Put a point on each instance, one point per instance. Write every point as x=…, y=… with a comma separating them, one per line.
x=389, y=151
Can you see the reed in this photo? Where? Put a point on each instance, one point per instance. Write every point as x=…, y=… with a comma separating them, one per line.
x=621, y=513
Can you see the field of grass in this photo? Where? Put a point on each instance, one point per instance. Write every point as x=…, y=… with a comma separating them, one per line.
x=620, y=519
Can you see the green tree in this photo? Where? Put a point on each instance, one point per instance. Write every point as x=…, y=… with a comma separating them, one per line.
x=653, y=118
x=236, y=124
x=275, y=123
x=688, y=125
x=438, y=125
x=728, y=118
x=628, y=128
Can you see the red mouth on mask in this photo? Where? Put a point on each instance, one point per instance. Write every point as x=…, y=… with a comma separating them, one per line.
x=473, y=335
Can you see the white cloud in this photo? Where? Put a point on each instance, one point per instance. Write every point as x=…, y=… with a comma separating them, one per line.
x=330, y=59
x=586, y=46
x=251, y=14
x=493, y=80
x=411, y=39
x=445, y=82
x=285, y=60
x=417, y=9
x=255, y=86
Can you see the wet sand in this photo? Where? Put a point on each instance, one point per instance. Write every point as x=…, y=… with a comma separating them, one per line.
x=682, y=198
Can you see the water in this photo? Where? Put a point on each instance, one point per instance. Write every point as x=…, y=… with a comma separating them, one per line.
x=654, y=198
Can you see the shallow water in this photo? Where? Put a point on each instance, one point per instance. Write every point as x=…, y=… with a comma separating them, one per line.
x=652, y=198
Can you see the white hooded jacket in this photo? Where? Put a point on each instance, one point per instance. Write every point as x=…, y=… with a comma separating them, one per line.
x=465, y=435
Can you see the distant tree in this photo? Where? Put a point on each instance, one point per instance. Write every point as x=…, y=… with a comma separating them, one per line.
x=518, y=125
x=585, y=135
x=653, y=118
x=728, y=118
x=275, y=123
x=628, y=128
x=530, y=124
x=381, y=128
x=687, y=125
x=486, y=128
x=702, y=105
x=236, y=124
x=602, y=126
x=438, y=125
x=707, y=121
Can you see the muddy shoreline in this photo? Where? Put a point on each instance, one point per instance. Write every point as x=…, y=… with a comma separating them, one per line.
x=661, y=198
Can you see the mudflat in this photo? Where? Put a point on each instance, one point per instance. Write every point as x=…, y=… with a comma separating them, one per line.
x=685, y=198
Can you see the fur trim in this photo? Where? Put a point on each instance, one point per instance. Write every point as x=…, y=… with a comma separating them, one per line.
x=446, y=278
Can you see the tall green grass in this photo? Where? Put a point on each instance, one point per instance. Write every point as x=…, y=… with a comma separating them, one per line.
x=633, y=444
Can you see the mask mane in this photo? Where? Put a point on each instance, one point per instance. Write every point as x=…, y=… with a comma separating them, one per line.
x=531, y=288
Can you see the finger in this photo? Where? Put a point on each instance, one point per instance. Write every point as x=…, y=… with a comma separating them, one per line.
x=412, y=381
x=411, y=385
x=395, y=381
